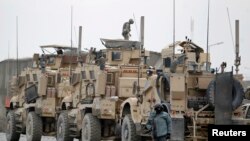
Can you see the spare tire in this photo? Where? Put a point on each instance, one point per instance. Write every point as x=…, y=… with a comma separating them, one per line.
x=247, y=93
x=237, y=93
x=165, y=78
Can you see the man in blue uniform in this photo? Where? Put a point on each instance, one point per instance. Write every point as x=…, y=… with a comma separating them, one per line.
x=159, y=123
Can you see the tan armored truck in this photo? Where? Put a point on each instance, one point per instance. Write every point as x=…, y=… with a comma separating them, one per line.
x=194, y=94
x=38, y=92
x=197, y=95
x=98, y=90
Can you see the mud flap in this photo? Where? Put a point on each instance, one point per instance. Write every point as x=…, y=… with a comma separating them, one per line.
x=223, y=98
x=178, y=129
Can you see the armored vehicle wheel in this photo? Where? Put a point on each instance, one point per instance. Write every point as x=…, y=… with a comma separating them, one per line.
x=247, y=94
x=63, y=128
x=33, y=127
x=237, y=94
x=128, y=129
x=11, y=132
x=91, y=128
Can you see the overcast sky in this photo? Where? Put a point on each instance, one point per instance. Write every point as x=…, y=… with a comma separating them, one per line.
x=43, y=22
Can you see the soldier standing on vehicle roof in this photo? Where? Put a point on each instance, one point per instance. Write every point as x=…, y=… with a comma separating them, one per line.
x=126, y=29
x=159, y=123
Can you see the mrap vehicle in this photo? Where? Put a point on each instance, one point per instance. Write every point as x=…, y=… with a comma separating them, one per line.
x=37, y=93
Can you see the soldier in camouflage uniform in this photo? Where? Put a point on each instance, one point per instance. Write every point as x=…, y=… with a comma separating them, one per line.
x=126, y=29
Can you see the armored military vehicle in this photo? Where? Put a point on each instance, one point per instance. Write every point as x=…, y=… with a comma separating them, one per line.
x=99, y=90
x=99, y=87
x=38, y=92
x=198, y=94
x=192, y=92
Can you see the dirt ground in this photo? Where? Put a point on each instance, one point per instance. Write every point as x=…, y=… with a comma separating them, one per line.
x=23, y=138
x=44, y=138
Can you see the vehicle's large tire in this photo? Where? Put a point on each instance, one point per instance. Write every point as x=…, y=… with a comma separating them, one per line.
x=237, y=93
x=91, y=128
x=164, y=77
x=33, y=127
x=11, y=132
x=129, y=130
x=63, y=132
x=210, y=93
x=247, y=93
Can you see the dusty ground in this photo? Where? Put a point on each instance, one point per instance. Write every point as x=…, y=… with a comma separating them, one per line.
x=44, y=138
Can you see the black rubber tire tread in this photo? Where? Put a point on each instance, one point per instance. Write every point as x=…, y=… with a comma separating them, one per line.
x=127, y=121
x=36, y=127
x=93, y=128
x=63, y=117
x=247, y=94
x=166, y=77
x=210, y=93
x=238, y=93
x=12, y=135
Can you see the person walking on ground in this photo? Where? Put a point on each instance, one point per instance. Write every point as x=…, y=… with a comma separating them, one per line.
x=159, y=123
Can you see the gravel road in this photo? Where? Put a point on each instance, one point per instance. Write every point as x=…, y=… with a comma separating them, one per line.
x=23, y=138
x=44, y=138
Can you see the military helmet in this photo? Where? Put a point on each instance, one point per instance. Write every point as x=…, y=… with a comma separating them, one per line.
x=131, y=21
x=150, y=71
x=158, y=105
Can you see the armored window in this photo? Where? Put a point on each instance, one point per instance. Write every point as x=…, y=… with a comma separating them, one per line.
x=167, y=62
x=92, y=74
x=75, y=78
x=31, y=93
x=34, y=77
x=27, y=77
x=21, y=80
x=110, y=78
x=51, y=61
x=51, y=81
x=84, y=75
x=116, y=55
x=58, y=78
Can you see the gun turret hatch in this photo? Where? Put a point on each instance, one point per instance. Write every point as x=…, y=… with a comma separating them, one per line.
x=58, y=48
x=119, y=43
x=192, y=46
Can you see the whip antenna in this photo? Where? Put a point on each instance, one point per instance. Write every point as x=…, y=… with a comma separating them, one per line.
x=17, y=46
x=173, y=29
x=230, y=26
x=135, y=26
x=207, y=33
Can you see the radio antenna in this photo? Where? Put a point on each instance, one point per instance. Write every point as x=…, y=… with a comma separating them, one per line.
x=173, y=29
x=136, y=26
x=237, y=46
x=17, y=69
x=228, y=15
x=71, y=42
x=140, y=49
x=8, y=70
x=207, y=33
